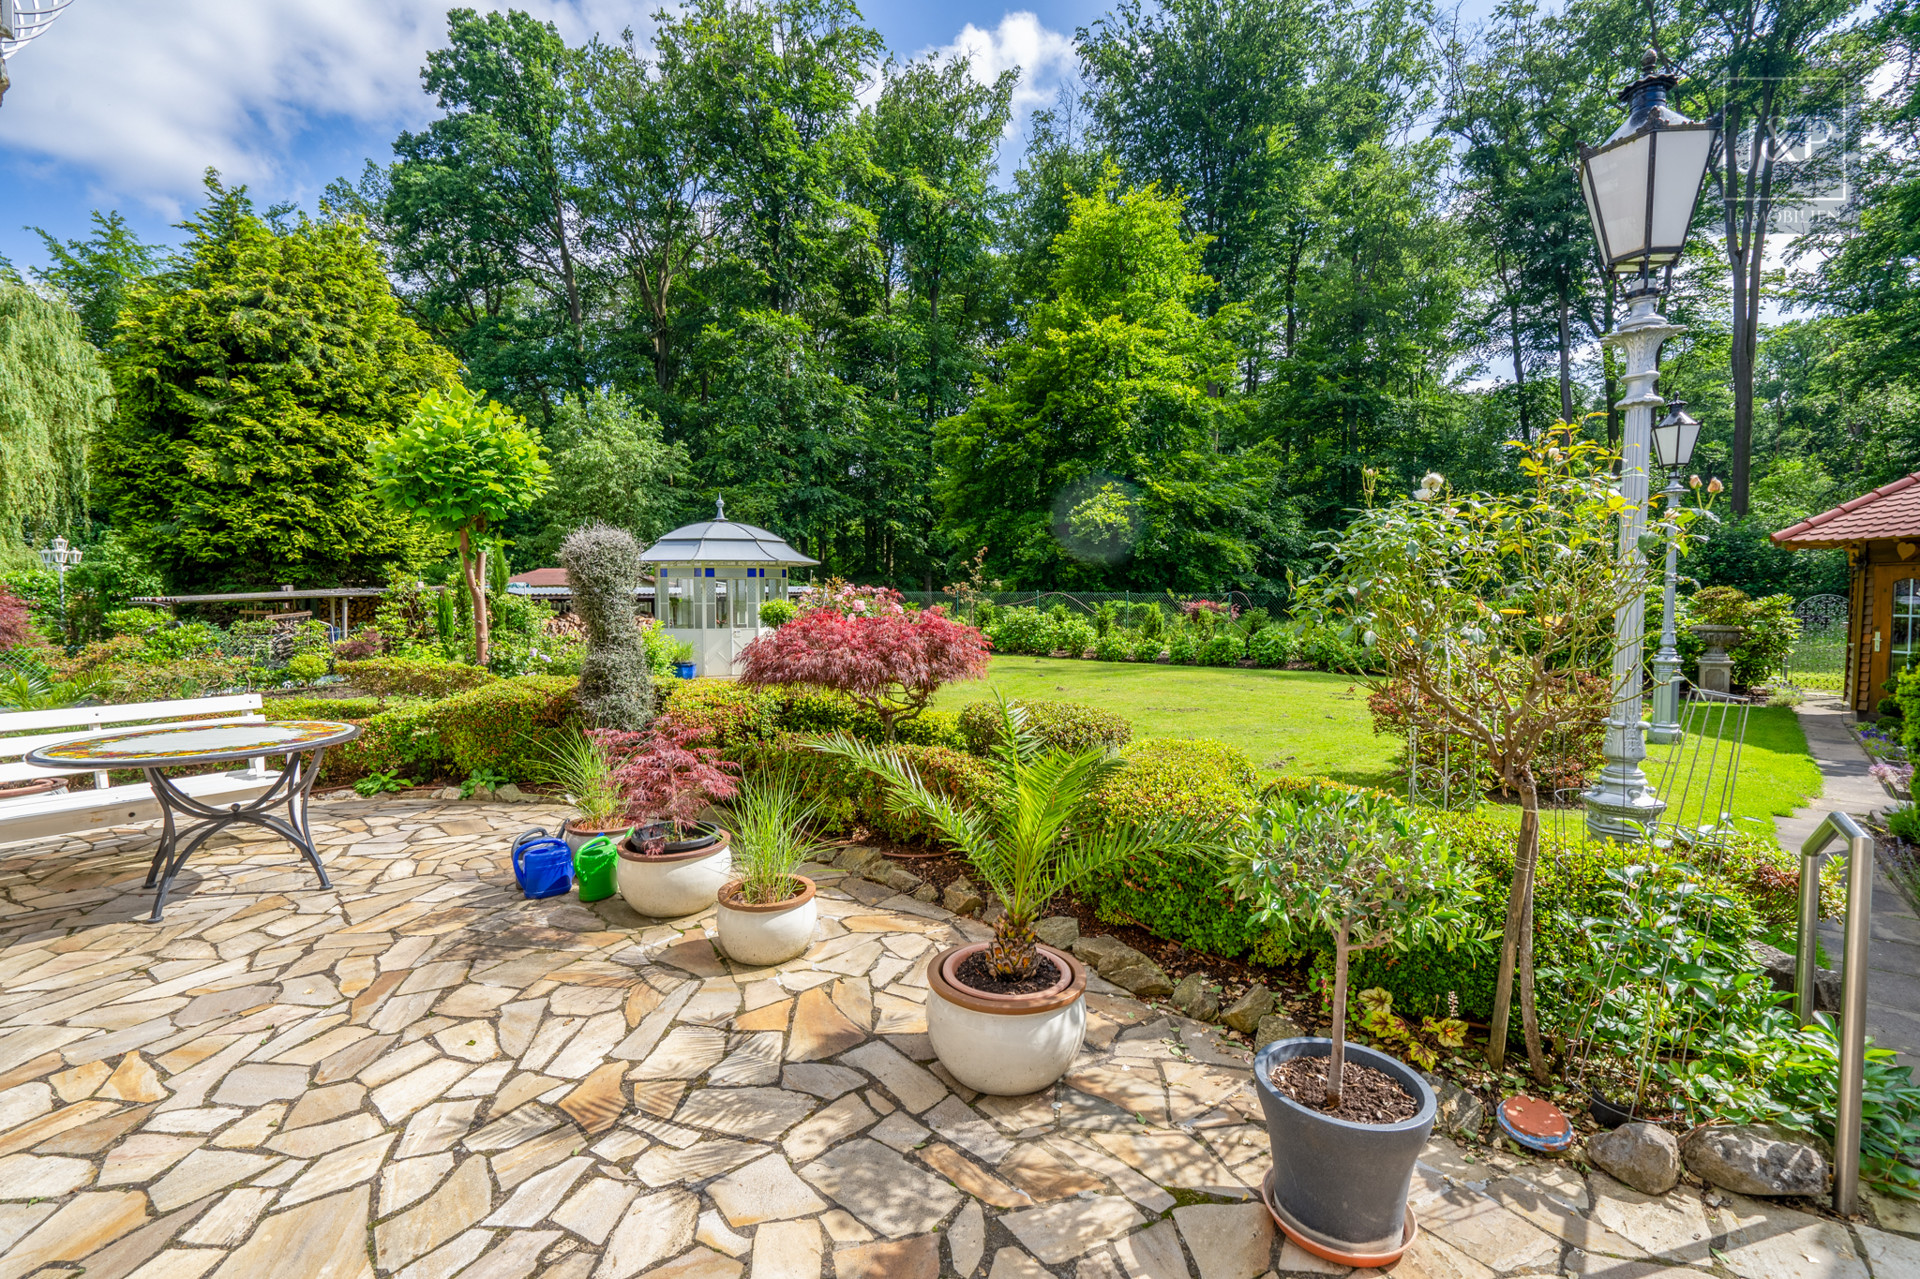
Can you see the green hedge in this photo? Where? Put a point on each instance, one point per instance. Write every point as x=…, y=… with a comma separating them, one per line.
x=1073, y=726
x=385, y=676
x=849, y=796
x=731, y=716
x=504, y=725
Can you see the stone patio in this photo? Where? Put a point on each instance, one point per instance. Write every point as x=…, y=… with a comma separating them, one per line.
x=418, y=1074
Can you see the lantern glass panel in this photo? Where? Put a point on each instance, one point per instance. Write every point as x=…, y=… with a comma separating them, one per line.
x=1680, y=162
x=1618, y=180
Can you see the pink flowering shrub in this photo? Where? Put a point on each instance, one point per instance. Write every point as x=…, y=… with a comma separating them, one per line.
x=1190, y=607
x=862, y=642
x=15, y=625
x=660, y=777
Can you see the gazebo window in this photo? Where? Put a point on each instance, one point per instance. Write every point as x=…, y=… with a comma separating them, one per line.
x=1906, y=623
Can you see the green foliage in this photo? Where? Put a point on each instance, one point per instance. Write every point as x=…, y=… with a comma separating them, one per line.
x=769, y=818
x=54, y=399
x=380, y=784
x=1224, y=649
x=249, y=379
x=1112, y=647
x=1067, y=726
x=582, y=766
x=31, y=690
x=1183, y=646
x=1771, y=630
x=306, y=667
x=616, y=677
x=413, y=677
x=776, y=613
x=1273, y=647
x=610, y=465
x=1903, y=822
x=95, y=274
x=1022, y=630
x=506, y=726
x=133, y=621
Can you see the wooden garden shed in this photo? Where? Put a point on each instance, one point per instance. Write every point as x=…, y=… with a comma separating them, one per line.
x=1880, y=532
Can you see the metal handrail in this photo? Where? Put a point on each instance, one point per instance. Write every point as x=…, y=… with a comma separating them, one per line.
x=1853, y=984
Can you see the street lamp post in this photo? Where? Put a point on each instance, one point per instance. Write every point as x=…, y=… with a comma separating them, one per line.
x=59, y=557
x=1673, y=441
x=1641, y=187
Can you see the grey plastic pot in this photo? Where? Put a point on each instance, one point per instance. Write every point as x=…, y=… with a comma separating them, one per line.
x=1339, y=1184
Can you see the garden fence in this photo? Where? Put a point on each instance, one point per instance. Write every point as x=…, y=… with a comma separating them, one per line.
x=1819, y=655
x=1088, y=601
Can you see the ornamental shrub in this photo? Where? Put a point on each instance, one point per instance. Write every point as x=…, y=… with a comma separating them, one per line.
x=1023, y=630
x=1771, y=630
x=603, y=571
x=1183, y=646
x=1075, y=636
x=848, y=796
x=413, y=677
x=1070, y=726
x=508, y=725
x=1148, y=649
x=1273, y=647
x=776, y=613
x=1224, y=649
x=1112, y=647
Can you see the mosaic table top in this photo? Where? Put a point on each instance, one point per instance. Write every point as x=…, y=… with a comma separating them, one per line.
x=194, y=743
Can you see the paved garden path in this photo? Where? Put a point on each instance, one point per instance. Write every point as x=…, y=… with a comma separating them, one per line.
x=418, y=1074
x=1893, y=951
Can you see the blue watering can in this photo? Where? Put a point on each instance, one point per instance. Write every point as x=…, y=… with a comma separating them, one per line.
x=542, y=865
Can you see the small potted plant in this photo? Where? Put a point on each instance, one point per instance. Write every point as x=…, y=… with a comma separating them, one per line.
x=672, y=864
x=767, y=915
x=582, y=767
x=1007, y=1017
x=680, y=653
x=1346, y=1123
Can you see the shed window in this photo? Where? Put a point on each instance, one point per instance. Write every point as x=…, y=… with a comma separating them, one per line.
x=1906, y=623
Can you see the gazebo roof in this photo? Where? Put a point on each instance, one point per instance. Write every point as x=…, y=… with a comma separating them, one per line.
x=721, y=541
x=1890, y=511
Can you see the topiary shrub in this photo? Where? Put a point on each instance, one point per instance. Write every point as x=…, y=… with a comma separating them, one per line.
x=616, y=683
x=1072, y=726
x=413, y=677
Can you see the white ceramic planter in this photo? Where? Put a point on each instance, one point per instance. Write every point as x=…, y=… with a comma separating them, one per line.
x=766, y=935
x=675, y=884
x=1005, y=1045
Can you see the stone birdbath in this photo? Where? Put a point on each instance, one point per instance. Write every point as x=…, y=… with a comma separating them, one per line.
x=1716, y=667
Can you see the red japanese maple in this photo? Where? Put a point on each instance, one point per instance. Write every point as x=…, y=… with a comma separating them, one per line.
x=886, y=658
x=661, y=777
x=15, y=625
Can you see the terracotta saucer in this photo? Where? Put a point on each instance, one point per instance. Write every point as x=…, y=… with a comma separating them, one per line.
x=1327, y=1252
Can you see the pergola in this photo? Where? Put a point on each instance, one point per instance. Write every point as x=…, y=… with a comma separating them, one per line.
x=713, y=578
x=337, y=599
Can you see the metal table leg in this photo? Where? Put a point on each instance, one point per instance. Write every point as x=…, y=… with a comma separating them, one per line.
x=203, y=821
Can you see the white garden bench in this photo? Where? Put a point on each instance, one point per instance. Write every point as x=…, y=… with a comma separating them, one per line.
x=60, y=813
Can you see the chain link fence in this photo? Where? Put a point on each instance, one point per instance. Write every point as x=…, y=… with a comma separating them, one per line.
x=1088, y=601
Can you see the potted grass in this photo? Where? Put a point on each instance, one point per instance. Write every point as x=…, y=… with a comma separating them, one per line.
x=672, y=864
x=1007, y=1017
x=767, y=915
x=1345, y=1122
x=583, y=768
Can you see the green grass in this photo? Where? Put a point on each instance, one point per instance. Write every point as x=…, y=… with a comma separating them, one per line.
x=1314, y=723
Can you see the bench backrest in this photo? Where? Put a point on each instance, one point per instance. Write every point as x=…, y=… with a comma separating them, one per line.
x=23, y=731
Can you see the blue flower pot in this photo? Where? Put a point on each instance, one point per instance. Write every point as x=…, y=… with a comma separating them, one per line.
x=683, y=669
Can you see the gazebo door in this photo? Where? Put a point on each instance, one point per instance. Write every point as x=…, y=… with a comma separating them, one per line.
x=1894, y=641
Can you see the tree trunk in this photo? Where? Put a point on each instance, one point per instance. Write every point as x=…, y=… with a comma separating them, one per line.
x=1526, y=851
x=473, y=566
x=1566, y=361
x=1337, y=1058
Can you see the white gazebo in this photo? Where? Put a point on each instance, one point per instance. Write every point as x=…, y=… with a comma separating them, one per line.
x=713, y=578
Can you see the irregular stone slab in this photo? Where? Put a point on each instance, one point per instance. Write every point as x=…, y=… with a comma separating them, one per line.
x=1770, y=1242
x=523, y=1123
x=469, y=1041
x=820, y=1079
x=1062, y=1231
x=437, y=1127
x=1558, y=1218
x=764, y=1190
x=134, y=1079
x=1677, y=1225
x=81, y=1082
x=539, y=1195
x=756, y=1061
x=687, y=1053
x=24, y=1102
x=880, y=1188
x=1153, y=1253
x=396, y=1100
x=516, y=1254
x=708, y=1158
x=655, y=1227
x=957, y=1122
x=225, y=1003
x=202, y=1173
x=1754, y=1160
x=760, y=1113
x=916, y=1258
x=1476, y=1225
x=231, y=1220
x=1644, y=1156
x=459, y=1203
x=1043, y=1175
x=589, y=1048
x=820, y=1029
x=971, y=1178
x=967, y=1240
x=46, y=1177
x=323, y=1105
x=1228, y=1241
x=915, y=1088
x=403, y=1182
x=204, y=1119
x=340, y=1169
x=511, y=1167
x=143, y=1156
x=325, y=1239
x=596, y=1208
x=596, y=1104
x=787, y=1250
x=1170, y=1159
x=834, y=1124
x=1011, y=1263
x=311, y=1143
x=899, y=1131
x=1890, y=1254
x=701, y=1263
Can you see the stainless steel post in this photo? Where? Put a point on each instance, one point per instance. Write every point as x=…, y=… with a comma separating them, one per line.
x=1853, y=989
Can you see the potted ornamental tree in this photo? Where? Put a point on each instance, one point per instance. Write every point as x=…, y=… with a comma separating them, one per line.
x=767, y=915
x=1345, y=1122
x=1007, y=1016
x=672, y=864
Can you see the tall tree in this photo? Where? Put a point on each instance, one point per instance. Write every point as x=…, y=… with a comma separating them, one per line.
x=54, y=398
x=95, y=273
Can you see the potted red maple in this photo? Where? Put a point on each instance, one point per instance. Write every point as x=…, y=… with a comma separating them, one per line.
x=673, y=864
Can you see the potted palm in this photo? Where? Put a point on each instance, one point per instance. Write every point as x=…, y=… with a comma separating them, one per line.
x=1346, y=1122
x=672, y=864
x=583, y=768
x=767, y=915
x=1007, y=1016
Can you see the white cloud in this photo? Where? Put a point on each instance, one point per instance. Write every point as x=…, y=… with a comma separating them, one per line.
x=1046, y=59
x=143, y=97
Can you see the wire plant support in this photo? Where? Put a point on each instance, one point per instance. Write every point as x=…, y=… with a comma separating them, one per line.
x=1853, y=987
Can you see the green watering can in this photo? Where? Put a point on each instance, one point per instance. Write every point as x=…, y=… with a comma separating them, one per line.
x=595, y=866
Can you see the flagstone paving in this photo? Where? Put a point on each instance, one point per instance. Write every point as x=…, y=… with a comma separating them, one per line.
x=419, y=1075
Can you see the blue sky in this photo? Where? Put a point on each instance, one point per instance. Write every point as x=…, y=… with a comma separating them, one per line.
x=123, y=103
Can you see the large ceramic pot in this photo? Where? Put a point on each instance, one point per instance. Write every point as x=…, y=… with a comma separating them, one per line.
x=766, y=935
x=679, y=880
x=1005, y=1045
x=1338, y=1188
x=579, y=834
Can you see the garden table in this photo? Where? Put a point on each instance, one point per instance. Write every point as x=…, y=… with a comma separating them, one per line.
x=154, y=750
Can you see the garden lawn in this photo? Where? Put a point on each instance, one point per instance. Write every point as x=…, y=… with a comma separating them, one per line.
x=1315, y=723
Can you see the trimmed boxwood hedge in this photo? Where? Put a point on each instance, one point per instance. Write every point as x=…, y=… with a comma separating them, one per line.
x=386, y=676
x=1073, y=726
